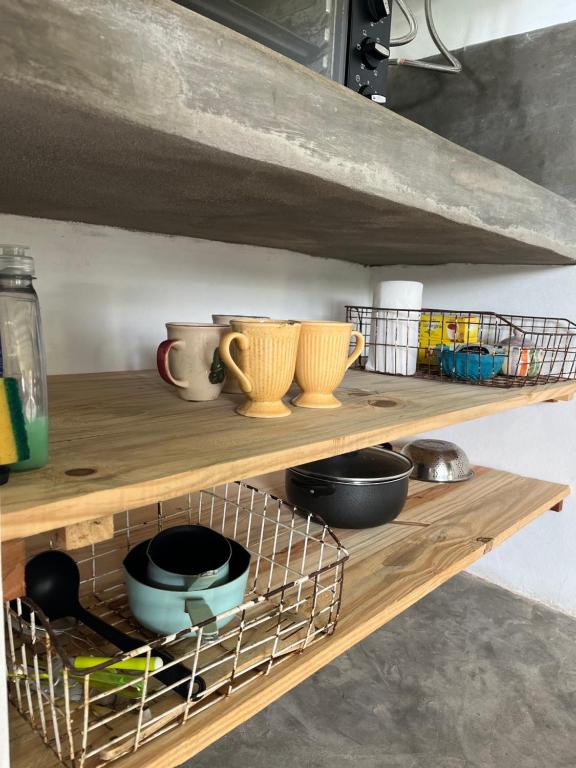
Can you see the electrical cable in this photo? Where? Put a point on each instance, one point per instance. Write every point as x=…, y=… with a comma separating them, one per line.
x=453, y=68
x=412, y=25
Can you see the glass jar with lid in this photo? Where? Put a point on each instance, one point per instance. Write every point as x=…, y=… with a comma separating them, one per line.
x=21, y=347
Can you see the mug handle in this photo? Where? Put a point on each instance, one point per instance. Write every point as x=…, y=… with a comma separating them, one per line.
x=358, y=349
x=229, y=362
x=162, y=361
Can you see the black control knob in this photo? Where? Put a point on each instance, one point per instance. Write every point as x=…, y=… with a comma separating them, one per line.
x=373, y=52
x=378, y=9
x=368, y=91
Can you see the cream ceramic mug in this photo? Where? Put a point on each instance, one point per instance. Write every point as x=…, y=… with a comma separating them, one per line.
x=231, y=383
x=323, y=360
x=189, y=359
x=266, y=352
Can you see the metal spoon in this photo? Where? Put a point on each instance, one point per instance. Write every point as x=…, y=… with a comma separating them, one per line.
x=53, y=583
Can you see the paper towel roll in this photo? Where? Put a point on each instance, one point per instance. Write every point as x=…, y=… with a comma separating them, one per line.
x=394, y=335
x=398, y=294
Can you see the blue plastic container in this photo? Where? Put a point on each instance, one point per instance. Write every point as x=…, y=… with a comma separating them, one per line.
x=469, y=366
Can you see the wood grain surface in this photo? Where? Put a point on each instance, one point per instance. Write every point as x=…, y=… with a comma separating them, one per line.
x=129, y=440
x=441, y=531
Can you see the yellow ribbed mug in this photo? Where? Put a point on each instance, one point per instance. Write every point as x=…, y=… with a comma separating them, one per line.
x=266, y=354
x=323, y=359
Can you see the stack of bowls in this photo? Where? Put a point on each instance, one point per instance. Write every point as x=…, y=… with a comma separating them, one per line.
x=185, y=576
x=471, y=362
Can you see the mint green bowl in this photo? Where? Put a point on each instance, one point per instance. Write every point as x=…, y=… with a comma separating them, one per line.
x=167, y=611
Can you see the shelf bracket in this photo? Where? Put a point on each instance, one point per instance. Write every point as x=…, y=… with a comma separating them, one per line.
x=13, y=561
x=84, y=534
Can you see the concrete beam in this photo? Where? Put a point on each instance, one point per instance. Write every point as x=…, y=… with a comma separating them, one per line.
x=147, y=116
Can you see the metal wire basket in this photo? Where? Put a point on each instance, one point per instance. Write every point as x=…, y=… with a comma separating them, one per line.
x=483, y=348
x=292, y=601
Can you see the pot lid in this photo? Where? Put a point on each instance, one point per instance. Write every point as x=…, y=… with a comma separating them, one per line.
x=370, y=465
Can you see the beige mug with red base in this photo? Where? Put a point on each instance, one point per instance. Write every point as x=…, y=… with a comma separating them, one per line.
x=189, y=360
x=323, y=359
x=266, y=359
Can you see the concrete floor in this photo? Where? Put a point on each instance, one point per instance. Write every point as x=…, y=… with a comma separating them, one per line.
x=471, y=677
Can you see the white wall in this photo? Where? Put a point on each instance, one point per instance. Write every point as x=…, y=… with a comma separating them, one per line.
x=466, y=22
x=107, y=293
x=538, y=441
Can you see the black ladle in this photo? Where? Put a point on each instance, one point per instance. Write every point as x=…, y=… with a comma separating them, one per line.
x=53, y=583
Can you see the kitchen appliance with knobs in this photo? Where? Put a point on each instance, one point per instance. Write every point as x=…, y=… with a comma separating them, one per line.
x=346, y=40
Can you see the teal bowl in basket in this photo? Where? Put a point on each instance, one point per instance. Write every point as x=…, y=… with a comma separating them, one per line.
x=469, y=366
x=167, y=611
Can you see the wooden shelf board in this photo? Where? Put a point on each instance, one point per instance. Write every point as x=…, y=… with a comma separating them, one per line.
x=145, y=444
x=164, y=137
x=442, y=530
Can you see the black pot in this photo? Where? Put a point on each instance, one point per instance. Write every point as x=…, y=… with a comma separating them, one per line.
x=356, y=490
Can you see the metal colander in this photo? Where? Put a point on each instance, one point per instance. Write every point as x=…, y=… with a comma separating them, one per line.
x=438, y=461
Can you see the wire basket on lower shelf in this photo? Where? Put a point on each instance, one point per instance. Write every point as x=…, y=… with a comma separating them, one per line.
x=89, y=717
x=466, y=347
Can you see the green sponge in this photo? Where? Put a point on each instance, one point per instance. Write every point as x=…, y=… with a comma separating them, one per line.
x=13, y=438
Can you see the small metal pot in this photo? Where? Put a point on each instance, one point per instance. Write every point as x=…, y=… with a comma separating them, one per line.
x=361, y=489
x=188, y=557
x=165, y=611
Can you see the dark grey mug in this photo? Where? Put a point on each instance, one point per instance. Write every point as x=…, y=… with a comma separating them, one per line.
x=188, y=557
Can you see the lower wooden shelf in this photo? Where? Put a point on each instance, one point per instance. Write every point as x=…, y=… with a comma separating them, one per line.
x=442, y=530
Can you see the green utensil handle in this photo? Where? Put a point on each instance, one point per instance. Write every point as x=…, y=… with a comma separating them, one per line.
x=129, y=665
x=109, y=681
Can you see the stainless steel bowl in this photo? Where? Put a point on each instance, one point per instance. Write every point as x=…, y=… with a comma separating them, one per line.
x=438, y=461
